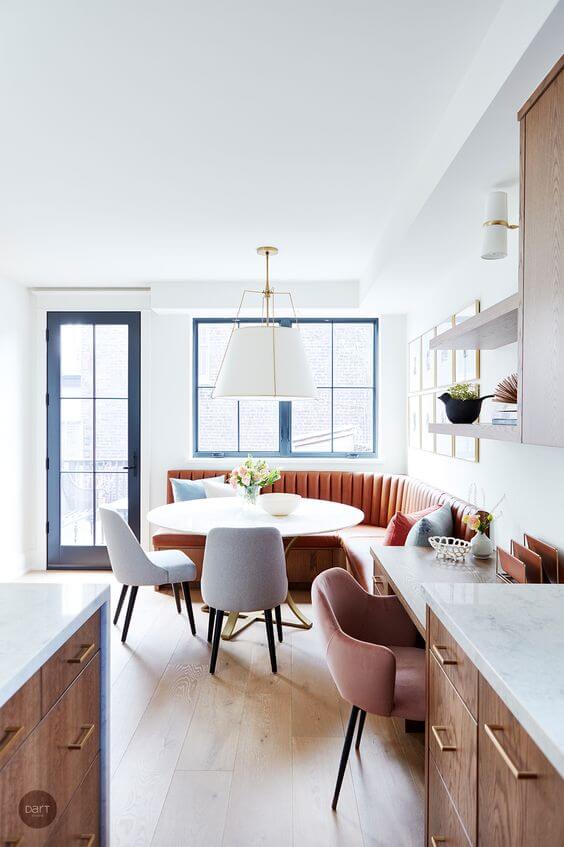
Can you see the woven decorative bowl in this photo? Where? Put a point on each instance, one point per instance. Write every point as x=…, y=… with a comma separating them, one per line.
x=449, y=549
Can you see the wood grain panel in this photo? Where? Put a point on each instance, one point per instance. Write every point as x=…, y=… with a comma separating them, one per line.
x=18, y=717
x=194, y=811
x=542, y=270
x=66, y=664
x=516, y=812
x=46, y=760
x=455, y=663
x=82, y=815
x=444, y=824
x=457, y=766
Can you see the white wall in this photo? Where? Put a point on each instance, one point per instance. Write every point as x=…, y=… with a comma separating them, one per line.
x=530, y=477
x=15, y=428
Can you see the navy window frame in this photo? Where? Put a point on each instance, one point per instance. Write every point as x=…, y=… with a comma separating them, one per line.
x=95, y=556
x=285, y=407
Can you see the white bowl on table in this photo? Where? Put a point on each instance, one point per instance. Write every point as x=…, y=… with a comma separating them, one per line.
x=279, y=505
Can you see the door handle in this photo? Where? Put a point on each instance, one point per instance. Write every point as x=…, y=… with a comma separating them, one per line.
x=444, y=748
x=132, y=467
x=490, y=730
x=11, y=733
x=85, y=652
x=89, y=837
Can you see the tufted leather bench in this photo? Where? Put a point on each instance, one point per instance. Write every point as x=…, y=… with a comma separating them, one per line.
x=378, y=495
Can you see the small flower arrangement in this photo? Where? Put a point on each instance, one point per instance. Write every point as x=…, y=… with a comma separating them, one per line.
x=251, y=476
x=464, y=391
x=480, y=522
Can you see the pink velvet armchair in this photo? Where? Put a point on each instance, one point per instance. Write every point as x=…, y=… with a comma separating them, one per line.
x=372, y=654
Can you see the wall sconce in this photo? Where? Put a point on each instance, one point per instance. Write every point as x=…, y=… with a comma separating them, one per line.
x=494, y=245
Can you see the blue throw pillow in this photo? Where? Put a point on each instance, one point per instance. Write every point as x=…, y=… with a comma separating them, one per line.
x=187, y=489
x=437, y=523
x=191, y=489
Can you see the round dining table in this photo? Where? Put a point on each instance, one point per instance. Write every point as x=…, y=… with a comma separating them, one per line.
x=311, y=517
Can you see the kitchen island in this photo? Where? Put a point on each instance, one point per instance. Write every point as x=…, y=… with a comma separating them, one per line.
x=54, y=714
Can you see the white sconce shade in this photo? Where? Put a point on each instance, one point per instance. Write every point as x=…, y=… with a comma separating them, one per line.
x=494, y=244
x=267, y=362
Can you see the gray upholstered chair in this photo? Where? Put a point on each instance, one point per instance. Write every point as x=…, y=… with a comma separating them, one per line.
x=133, y=567
x=244, y=570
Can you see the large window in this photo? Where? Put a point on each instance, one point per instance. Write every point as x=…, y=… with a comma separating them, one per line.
x=340, y=421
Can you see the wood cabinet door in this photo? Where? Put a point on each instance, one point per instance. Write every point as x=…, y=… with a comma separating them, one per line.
x=521, y=796
x=542, y=278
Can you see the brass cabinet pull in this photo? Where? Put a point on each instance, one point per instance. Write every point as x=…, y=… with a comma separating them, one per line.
x=444, y=660
x=86, y=731
x=85, y=651
x=12, y=842
x=444, y=748
x=490, y=730
x=90, y=839
x=437, y=839
x=11, y=734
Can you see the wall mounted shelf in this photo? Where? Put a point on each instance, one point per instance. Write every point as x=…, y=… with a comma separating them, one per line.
x=494, y=327
x=479, y=430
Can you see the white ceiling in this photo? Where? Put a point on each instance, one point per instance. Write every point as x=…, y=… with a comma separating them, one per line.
x=163, y=140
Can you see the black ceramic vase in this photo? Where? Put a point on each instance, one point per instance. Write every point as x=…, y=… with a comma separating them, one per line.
x=463, y=411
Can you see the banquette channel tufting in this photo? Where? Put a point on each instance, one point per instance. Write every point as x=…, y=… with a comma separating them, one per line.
x=379, y=496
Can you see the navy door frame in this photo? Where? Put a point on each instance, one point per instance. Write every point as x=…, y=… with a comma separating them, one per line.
x=95, y=556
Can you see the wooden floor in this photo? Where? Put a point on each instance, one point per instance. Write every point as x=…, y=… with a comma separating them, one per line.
x=245, y=757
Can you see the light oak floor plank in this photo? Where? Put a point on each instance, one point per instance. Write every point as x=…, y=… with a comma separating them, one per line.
x=315, y=765
x=140, y=785
x=315, y=699
x=260, y=802
x=194, y=811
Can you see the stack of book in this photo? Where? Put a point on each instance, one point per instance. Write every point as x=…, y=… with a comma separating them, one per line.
x=505, y=417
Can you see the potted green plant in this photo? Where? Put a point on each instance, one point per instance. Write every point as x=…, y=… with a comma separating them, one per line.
x=462, y=404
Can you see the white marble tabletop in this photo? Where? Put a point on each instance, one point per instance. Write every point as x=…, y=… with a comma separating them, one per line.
x=514, y=634
x=200, y=516
x=35, y=620
x=407, y=568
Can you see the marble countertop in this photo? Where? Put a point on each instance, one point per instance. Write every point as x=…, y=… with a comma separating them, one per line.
x=37, y=619
x=514, y=634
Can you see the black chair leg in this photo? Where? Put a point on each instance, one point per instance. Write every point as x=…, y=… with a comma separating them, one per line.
x=210, y=624
x=176, y=589
x=278, y=613
x=360, y=728
x=345, y=755
x=188, y=601
x=122, y=597
x=270, y=638
x=130, y=605
x=216, y=638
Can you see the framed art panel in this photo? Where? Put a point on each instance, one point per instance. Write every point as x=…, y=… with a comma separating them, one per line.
x=415, y=365
x=466, y=449
x=445, y=359
x=428, y=361
x=414, y=422
x=427, y=417
x=467, y=362
x=443, y=443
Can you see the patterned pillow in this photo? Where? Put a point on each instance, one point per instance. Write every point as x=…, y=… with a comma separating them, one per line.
x=439, y=523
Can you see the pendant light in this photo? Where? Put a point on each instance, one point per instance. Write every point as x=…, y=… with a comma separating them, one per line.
x=265, y=361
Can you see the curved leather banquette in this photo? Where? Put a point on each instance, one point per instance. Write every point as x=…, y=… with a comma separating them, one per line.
x=379, y=496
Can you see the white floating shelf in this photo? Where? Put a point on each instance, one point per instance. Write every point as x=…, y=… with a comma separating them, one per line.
x=498, y=432
x=492, y=328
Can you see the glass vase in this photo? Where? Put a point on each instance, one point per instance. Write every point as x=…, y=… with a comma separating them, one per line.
x=249, y=495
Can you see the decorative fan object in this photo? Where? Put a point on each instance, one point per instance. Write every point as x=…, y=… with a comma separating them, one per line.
x=506, y=390
x=449, y=549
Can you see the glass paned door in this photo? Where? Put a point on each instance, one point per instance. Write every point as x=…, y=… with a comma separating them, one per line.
x=93, y=439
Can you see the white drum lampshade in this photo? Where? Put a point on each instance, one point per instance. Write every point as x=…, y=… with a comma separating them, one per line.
x=266, y=362
x=494, y=244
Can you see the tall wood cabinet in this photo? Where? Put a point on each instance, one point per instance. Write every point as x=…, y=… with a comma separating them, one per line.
x=541, y=276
